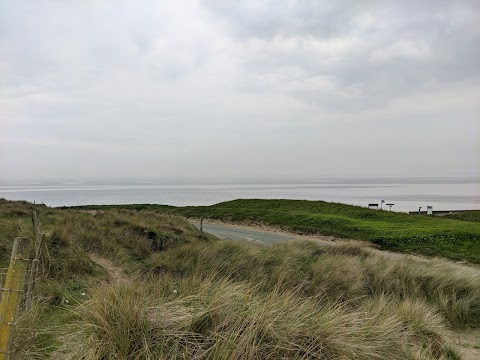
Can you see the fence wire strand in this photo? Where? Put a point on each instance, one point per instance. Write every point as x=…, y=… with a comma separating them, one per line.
x=3, y=277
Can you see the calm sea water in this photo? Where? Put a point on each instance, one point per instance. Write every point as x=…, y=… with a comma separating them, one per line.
x=406, y=193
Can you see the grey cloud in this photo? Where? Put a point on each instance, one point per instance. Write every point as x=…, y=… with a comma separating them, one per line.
x=266, y=19
x=236, y=86
x=382, y=49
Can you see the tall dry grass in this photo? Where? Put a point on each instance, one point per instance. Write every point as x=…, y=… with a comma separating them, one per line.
x=205, y=318
x=33, y=338
x=342, y=273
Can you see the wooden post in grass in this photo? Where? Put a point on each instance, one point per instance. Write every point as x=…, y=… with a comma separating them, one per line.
x=201, y=227
x=31, y=284
x=12, y=293
x=36, y=261
x=38, y=233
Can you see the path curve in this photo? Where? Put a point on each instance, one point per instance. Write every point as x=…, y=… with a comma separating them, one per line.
x=267, y=235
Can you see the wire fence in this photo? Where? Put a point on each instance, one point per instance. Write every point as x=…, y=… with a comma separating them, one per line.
x=3, y=276
x=17, y=293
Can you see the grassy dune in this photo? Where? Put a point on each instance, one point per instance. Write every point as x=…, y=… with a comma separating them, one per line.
x=209, y=299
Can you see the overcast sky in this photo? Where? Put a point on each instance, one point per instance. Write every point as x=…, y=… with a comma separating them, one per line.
x=235, y=88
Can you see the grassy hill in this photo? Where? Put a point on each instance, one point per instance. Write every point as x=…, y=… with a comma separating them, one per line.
x=190, y=297
x=442, y=236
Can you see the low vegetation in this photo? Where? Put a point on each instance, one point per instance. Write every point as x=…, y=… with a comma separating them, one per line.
x=469, y=215
x=192, y=297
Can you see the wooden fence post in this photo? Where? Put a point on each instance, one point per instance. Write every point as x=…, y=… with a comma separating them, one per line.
x=35, y=262
x=31, y=284
x=38, y=233
x=12, y=293
x=201, y=227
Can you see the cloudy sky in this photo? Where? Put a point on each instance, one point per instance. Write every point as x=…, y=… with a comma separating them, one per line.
x=234, y=88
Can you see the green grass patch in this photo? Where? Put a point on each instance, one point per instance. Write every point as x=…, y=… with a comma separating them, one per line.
x=468, y=215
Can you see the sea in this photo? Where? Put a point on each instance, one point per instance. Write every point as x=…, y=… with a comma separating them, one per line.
x=405, y=194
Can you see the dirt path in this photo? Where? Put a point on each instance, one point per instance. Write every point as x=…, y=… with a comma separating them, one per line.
x=115, y=273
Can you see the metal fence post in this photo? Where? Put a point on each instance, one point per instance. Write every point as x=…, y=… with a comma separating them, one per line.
x=12, y=293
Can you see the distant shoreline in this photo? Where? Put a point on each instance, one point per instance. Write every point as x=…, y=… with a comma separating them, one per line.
x=407, y=194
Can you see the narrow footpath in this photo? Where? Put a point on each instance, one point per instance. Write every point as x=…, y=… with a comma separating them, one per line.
x=115, y=273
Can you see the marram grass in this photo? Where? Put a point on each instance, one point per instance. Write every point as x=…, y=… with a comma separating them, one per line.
x=211, y=319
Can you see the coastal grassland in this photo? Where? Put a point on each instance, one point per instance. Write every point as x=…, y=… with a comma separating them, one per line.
x=427, y=235
x=192, y=297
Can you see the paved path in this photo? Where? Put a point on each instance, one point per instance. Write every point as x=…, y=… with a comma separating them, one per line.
x=247, y=234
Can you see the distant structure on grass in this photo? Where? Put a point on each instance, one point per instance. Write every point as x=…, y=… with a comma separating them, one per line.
x=431, y=212
x=375, y=205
